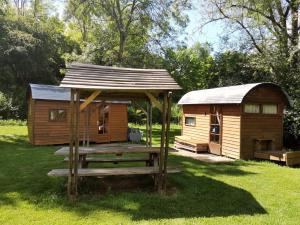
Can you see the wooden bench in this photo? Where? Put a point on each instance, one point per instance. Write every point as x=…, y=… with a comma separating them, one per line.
x=290, y=158
x=191, y=144
x=113, y=171
x=113, y=160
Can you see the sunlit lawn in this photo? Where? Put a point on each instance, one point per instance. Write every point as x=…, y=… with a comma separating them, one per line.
x=237, y=193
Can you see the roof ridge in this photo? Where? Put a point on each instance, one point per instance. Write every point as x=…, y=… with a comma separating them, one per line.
x=74, y=64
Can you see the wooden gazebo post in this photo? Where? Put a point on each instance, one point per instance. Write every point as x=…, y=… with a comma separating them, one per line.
x=168, y=120
x=74, y=144
x=71, y=147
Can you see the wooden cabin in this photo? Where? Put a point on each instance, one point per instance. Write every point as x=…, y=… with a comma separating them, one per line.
x=49, y=115
x=234, y=121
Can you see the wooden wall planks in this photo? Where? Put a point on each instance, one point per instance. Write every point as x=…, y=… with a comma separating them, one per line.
x=45, y=132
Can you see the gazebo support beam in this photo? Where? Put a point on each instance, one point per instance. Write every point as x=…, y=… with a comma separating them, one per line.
x=71, y=149
x=150, y=124
x=168, y=120
x=74, y=144
x=154, y=101
x=89, y=99
x=162, y=146
x=77, y=118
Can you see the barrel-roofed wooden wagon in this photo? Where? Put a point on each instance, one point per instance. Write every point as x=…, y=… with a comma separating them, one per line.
x=49, y=116
x=241, y=122
x=93, y=83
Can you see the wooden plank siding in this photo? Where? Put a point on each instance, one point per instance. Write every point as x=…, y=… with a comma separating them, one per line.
x=262, y=126
x=118, y=122
x=200, y=131
x=231, y=124
x=57, y=132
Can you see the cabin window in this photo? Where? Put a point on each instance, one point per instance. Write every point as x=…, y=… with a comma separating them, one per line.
x=190, y=121
x=269, y=109
x=57, y=115
x=251, y=108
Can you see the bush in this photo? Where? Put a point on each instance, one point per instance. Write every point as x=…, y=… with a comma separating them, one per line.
x=7, y=110
x=12, y=122
x=292, y=126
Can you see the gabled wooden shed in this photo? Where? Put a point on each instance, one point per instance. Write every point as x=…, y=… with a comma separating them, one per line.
x=234, y=121
x=49, y=117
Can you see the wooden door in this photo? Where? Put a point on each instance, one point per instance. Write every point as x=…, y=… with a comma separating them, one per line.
x=103, y=128
x=215, y=130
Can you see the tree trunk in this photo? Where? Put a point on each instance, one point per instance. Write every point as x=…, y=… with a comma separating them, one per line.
x=295, y=34
x=121, y=47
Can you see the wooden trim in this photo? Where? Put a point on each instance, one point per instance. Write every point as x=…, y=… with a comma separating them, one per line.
x=89, y=99
x=33, y=120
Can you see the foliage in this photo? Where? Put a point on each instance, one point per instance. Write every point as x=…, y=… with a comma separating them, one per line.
x=233, y=68
x=292, y=125
x=123, y=32
x=12, y=122
x=31, y=52
x=137, y=115
x=7, y=110
x=192, y=67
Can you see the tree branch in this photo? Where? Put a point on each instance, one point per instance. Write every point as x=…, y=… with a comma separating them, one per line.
x=243, y=26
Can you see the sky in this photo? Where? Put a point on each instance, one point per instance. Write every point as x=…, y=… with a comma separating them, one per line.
x=210, y=33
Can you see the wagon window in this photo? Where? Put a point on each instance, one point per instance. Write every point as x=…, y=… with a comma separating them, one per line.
x=251, y=108
x=57, y=114
x=269, y=109
x=190, y=121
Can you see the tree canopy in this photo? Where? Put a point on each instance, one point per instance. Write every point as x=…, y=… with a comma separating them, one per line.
x=36, y=43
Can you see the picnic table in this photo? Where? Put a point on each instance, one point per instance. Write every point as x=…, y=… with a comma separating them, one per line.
x=86, y=157
x=86, y=152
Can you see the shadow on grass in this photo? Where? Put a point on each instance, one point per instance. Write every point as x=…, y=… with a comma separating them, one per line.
x=23, y=170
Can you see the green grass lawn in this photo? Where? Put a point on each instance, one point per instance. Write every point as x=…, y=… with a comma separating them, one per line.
x=243, y=192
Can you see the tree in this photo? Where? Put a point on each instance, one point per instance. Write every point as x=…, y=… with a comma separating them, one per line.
x=271, y=28
x=134, y=18
x=192, y=68
x=31, y=52
x=233, y=68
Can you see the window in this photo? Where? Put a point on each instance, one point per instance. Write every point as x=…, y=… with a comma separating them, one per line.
x=215, y=125
x=251, y=108
x=57, y=115
x=190, y=121
x=269, y=109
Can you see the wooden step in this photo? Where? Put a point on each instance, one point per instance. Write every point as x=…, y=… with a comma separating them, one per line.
x=111, y=160
x=112, y=171
x=191, y=144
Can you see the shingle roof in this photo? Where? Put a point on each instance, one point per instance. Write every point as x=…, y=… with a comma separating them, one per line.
x=57, y=93
x=223, y=95
x=88, y=76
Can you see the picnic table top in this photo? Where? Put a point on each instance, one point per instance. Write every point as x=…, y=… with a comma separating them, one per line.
x=64, y=151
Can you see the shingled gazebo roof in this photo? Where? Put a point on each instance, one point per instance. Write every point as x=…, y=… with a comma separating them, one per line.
x=88, y=76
